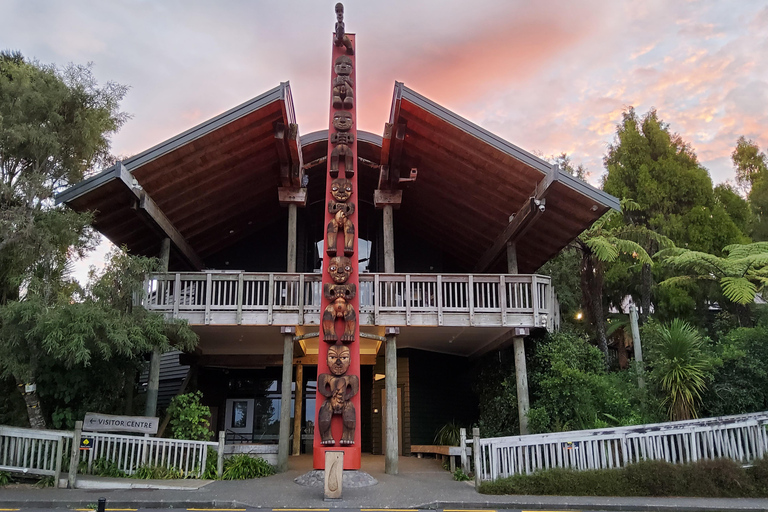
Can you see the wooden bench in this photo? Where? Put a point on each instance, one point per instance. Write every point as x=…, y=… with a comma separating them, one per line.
x=443, y=451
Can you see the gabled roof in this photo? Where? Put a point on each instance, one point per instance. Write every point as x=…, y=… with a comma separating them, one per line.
x=469, y=181
x=215, y=184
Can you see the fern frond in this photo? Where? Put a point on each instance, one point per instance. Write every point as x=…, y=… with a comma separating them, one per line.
x=603, y=249
x=738, y=289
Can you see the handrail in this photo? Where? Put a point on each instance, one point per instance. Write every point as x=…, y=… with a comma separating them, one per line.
x=741, y=437
x=483, y=300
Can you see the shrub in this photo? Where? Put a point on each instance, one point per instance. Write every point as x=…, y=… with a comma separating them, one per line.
x=189, y=418
x=244, y=467
x=460, y=476
x=149, y=472
x=449, y=434
x=5, y=478
x=720, y=478
x=104, y=467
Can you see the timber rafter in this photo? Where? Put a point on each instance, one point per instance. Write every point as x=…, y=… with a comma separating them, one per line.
x=521, y=222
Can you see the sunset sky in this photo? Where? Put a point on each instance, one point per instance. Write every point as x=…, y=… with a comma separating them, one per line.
x=548, y=76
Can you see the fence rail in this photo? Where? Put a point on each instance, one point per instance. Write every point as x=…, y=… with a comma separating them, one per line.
x=742, y=438
x=392, y=299
x=43, y=452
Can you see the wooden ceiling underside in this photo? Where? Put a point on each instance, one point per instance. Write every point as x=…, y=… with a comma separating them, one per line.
x=217, y=183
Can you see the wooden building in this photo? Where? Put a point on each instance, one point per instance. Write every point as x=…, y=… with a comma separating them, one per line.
x=453, y=224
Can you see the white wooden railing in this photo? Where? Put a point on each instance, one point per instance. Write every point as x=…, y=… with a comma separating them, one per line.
x=34, y=452
x=40, y=452
x=742, y=438
x=129, y=453
x=487, y=300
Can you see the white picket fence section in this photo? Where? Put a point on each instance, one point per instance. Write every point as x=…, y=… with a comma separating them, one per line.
x=41, y=452
x=130, y=452
x=742, y=438
x=33, y=452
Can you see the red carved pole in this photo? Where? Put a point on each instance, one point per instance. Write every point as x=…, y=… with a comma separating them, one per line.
x=337, y=424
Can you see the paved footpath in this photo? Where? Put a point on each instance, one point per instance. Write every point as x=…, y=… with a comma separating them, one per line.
x=421, y=484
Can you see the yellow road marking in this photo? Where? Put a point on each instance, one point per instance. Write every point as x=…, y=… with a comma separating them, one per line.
x=8, y=509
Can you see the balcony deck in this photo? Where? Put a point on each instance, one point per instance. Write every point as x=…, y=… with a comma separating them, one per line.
x=426, y=300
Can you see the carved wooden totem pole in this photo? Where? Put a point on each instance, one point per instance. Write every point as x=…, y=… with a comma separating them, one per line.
x=338, y=365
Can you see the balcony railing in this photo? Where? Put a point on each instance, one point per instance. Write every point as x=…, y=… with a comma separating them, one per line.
x=487, y=300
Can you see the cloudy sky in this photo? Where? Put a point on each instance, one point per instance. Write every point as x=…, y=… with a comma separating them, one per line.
x=549, y=76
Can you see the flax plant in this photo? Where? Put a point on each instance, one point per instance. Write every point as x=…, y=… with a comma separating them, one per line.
x=682, y=369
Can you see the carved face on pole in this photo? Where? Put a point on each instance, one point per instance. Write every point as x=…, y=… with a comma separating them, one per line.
x=342, y=120
x=341, y=189
x=340, y=11
x=340, y=268
x=338, y=359
x=343, y=66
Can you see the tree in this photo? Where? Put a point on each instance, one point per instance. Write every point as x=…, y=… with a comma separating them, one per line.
x=659, y=171
x=751, y=167
x=604, y=242
x=740, y=274
x=101, y=324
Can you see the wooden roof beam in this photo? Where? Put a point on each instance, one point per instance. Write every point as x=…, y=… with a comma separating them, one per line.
x=158, y=220
x=288, y=146
x=520, y=222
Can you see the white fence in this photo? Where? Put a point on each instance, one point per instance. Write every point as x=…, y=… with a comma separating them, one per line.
x=128, y=453
x=742, y=438
x=385, y=299
x=34, y=452
x=42, y=452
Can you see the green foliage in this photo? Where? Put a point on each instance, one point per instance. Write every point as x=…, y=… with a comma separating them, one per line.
x=448, y=434
x=680, y=366
x=5, y=478
x=244, y=467
x=706, y=478
x=740, y=381
x=211, y=462
x=46, y=481
x=741, y=274
x=750, y=164
x=495, y=386
x=105, y=467
x=189, y=419
x=460, y=476
x=149, y=472
x=572, y=390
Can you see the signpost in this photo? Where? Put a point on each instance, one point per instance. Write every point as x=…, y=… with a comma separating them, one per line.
x=110, y=423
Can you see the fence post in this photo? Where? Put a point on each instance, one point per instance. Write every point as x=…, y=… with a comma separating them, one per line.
x=463, y=445
x=59, y=457
x=476, y=455
x=220, y=455
x=74, y=456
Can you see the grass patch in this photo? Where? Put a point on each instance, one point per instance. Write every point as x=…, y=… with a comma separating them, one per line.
x=244, y=467
x=721, y=478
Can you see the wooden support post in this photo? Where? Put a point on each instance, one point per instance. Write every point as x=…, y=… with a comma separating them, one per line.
x=59, y=459
x=153, y=384
x=74, y=456
x=636, y=345
x=220, y=454
x=389, y=240
x=390, y=384
x=522, y=384
x=297, y=409
x=291, y=267
x=285, y=399
x=512, y=258
x=463, y=446
x=476, y=455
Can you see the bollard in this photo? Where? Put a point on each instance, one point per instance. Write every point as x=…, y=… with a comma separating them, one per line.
x=102, y=506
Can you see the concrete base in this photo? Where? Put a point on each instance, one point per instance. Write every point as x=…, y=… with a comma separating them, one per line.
x=351, y=479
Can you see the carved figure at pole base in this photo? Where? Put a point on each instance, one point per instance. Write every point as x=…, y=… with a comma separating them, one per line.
x=341, y=39
x=341, y=190
x=338, y=390
x=340, y=295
